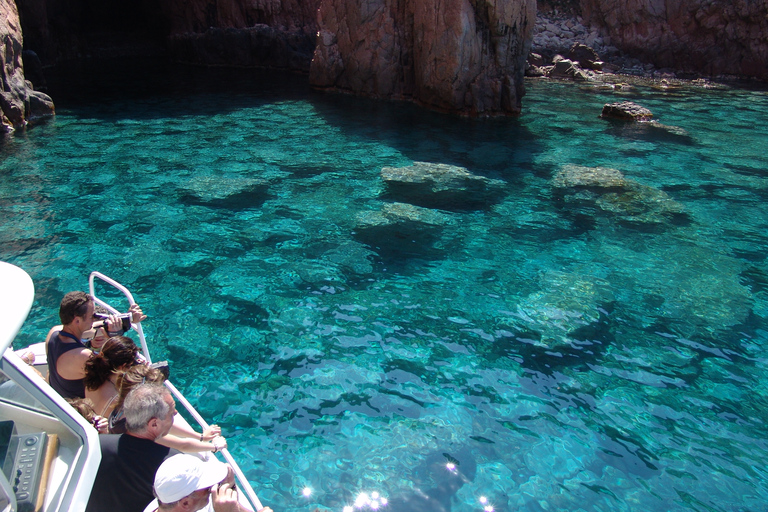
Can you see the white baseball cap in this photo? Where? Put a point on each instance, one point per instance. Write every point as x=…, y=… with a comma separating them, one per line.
x=181, y=475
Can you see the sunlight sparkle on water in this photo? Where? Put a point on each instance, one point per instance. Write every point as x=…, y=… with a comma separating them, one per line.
x=374, y=501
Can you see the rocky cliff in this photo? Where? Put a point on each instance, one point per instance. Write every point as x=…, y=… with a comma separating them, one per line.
x=19, y=102
x=464, y=56
x=710, y=37
x=256, y=33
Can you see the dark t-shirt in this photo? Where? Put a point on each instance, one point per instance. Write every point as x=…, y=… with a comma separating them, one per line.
x=55, y=348
x=126, y=473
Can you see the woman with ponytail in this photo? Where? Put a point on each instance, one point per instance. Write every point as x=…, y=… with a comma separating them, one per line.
x=101, y=371
x=181, y=437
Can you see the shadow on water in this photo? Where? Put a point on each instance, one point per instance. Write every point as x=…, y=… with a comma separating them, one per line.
x=436, y=482
x=248, y=198
x=499, y=148
x=115, y=84
x=398, y=245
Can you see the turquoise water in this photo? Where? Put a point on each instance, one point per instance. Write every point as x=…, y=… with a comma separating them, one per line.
x=572, y=348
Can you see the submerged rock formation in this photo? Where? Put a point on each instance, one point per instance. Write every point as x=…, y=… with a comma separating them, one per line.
x=441, y=186
x=463, y=56
x=613, y=194
x=699, y=36
x=19, y=101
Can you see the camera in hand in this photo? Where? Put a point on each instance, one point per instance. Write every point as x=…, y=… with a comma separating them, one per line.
x=102, y=322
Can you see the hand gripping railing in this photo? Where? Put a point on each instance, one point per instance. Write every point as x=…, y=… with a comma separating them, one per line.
x=244, y=484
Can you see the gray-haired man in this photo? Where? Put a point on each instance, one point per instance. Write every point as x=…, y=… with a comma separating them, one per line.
x=129, y=461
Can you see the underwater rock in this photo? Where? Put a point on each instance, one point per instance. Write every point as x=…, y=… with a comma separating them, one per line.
x=443, y=186
x=640, y=203
x=233, y=192
x=565, y=303
x=395, y=213
x=579, y=176
x=351, y=256
x=626, y=110
x=698, y=291
x=612, y=193
x=215, y=186
x=670, y=130
x=402, y=231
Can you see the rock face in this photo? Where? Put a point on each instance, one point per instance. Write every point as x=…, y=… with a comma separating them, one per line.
x=19, y=101
x=256, y=33
x=257, y=46
x=265, y=33
x=699, y=36
x=465, y=56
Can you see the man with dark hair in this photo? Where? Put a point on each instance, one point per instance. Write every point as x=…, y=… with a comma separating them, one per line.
x=129, y=461
x=65, y=350
x=64, y=347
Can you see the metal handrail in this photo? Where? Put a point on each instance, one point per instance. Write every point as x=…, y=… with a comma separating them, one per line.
x=239, y=475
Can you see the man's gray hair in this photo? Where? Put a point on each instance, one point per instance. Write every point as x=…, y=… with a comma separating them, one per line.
x=144, y=402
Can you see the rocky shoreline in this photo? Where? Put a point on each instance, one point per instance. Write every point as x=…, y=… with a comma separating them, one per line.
x=559, y=38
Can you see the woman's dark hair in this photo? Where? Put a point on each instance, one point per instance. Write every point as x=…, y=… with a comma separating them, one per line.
x=117, y=353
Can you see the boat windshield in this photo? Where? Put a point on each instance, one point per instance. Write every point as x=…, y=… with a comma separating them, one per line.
x=13, y=394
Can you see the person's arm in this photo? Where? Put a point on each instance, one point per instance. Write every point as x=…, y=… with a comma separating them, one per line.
x=189, y=445
x=180, y=428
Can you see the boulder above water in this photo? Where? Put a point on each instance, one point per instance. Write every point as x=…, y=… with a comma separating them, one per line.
x=434, y=185
x=626, y=110
x=586, y=56
x=566, y=68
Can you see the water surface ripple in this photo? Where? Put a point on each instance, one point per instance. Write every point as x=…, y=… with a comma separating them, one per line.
x=572, y=348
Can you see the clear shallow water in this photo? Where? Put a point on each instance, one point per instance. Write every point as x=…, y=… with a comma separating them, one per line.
x=573, y=350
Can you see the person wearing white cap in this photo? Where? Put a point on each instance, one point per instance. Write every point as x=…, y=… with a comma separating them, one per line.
x=185, y=483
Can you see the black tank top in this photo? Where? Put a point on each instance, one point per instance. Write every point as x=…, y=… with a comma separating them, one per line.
x=68, y=388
